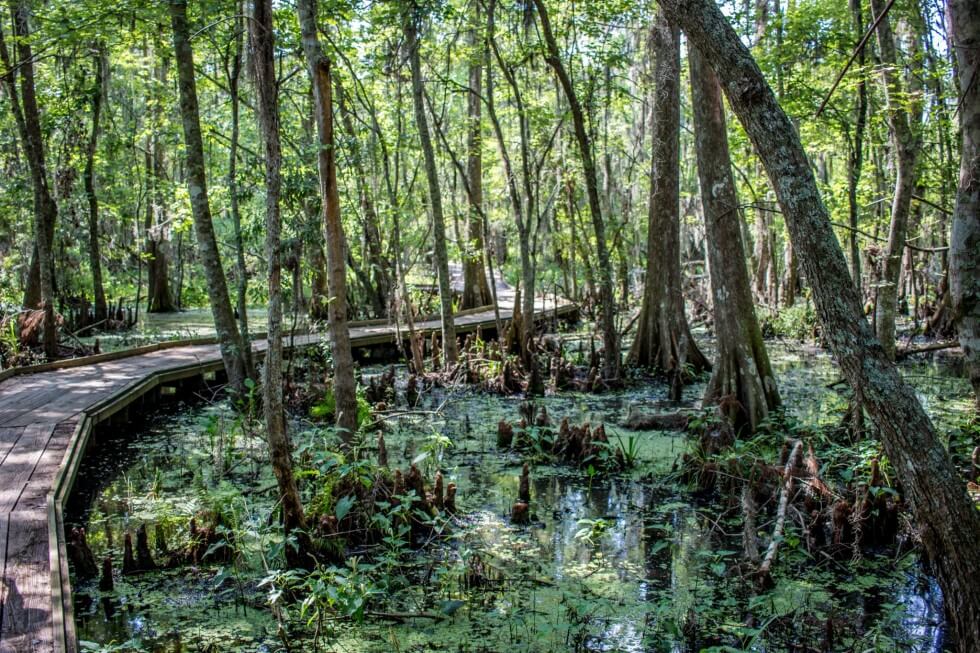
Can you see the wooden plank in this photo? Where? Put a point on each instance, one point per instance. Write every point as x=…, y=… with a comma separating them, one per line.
x=18, y=467
x=26, y=622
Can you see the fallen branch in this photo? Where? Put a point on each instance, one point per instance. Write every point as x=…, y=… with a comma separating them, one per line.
x=657, y=421
x=934, y=346
x=777, y=531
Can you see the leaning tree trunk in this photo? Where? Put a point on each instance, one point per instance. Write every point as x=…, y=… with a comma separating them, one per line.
x=663, y=339
x=610, y=336
x=476, y=291
x=435, y=194
x=230, y=341
x=905, y=147
x=262, y=43
x=964, y=267
x=344, y=386
x=742, y=371
x=39, y=293
x=441, y=256
x=949, y=523
x=88, y=175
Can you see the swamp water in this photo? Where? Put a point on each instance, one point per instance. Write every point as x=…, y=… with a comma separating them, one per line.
x=631, y=562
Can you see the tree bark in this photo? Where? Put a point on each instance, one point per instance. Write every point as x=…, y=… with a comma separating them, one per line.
x=855, y=159
x=964, y=267
x=159, y=298
x=742, y=371
x=28, y=118
x=905, y=147
x=262, y=44
x=663, y=338
x=230, y=341
x=476, y=291
x=412, y=18
x=610, y=336
x=88, y=175
x=344, y=386
x=948, y=521
x=233, y=72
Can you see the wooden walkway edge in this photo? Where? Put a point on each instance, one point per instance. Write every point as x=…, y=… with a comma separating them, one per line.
x=48, y=414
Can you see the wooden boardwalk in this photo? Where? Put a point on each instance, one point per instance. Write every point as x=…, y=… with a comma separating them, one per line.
x=46, y=419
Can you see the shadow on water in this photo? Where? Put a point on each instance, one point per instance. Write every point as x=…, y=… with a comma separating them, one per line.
x=628, y=563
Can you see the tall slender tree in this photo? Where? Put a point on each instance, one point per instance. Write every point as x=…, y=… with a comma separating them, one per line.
x=27, y=115
x=663, y=338
x=610, y=336
x=476, y=291
x=344, y=385
x=742, y=371
x=230, y=340
x=964, y=269
x=905, y=149
x=948, y=521
x=412, y=19
x=101, y=64
x=262, y=44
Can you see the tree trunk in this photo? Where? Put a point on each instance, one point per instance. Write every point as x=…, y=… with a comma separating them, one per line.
x=964, y=266
x=610, y=336
x=476, y=291
x=412, y=19
x=663, y=337
x=905, y=146
x=949, y=523
x=262, y=44
x=232, y=347
x=28, y=118
x=856, y=155
x=159, y=298
x=94, y=249
x=234, y=71
x=742, y=371
x=344, y=386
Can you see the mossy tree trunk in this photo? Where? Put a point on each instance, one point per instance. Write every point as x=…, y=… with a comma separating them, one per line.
x=742, y=381
x=230, y=341
x=964, y=268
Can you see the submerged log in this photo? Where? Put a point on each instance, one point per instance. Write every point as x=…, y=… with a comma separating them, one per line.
x=656, y=421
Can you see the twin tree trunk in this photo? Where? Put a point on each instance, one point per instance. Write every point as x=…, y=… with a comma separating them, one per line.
x=27, y=115
x=230, y=341
x=663, y=339
x=964, y=268
x=949, y=523
x=344, y=385
x=742, y=381
x=905, y=146
x=610, y=336
x=412, y=19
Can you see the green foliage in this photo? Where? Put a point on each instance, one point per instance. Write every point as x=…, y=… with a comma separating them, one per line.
x=798, y=322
